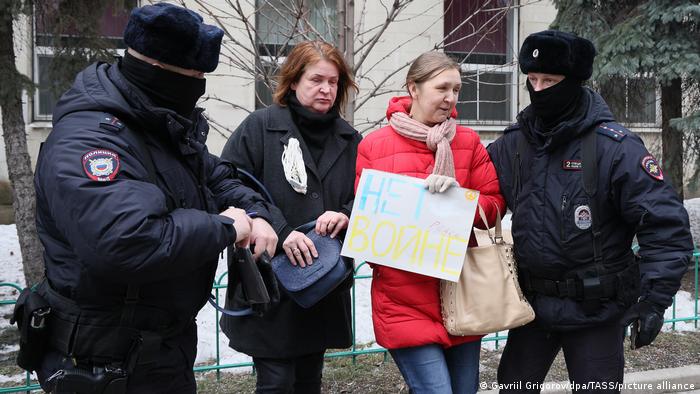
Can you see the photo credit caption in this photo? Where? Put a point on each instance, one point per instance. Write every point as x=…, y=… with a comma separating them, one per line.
x=571, y=386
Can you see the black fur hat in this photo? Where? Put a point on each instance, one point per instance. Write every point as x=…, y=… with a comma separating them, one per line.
x=557, y=52
x=174, y=35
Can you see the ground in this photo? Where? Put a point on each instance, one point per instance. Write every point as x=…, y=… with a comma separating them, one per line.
x=377, y=374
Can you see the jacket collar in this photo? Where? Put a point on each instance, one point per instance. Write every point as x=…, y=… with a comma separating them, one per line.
x=592, y=110
x=280, y=120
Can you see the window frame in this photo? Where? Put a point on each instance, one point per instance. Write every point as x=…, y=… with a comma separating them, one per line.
x=41, y=50
x=270, y=57
x=510, y=67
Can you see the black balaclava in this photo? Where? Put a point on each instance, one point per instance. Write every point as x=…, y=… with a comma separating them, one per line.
x=165, y=88
x=556, y=103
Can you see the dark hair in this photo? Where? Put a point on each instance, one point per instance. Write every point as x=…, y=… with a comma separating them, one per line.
x=307, y=53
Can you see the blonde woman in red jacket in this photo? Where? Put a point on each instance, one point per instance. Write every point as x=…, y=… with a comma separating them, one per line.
x=423, y=140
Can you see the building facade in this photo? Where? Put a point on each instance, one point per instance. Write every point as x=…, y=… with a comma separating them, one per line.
x=483, y=35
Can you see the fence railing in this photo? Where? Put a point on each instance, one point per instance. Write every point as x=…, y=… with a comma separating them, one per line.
x=354, y=350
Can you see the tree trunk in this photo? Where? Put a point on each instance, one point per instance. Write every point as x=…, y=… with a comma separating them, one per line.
x=671, y=138
x=18, y=161
x=346, y=45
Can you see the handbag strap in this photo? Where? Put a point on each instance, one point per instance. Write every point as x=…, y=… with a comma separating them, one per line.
x=497, y=238
x=253, y=181
x=230, y=312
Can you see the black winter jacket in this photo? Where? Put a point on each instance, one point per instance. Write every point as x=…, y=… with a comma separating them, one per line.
x=105, y=227
x=256, y=146
x=552, y=238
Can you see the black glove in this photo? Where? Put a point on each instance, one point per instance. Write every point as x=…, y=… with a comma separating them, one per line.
x=646, y=318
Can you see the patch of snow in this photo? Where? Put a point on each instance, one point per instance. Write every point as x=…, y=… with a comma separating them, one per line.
x=18, y=379
x=684, y=307
x=9, y=349
x=693, y=208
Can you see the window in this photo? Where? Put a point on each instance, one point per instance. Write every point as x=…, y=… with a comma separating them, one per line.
x=479, y=34
x=632, y=100
x=280, y=24
x=50, y=87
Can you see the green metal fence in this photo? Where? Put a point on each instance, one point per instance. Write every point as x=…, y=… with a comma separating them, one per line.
x=354, y=350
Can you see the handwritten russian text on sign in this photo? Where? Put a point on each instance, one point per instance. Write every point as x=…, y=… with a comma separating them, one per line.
x=396, y=222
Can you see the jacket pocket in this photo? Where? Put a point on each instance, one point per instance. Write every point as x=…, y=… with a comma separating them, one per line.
x=576, y=218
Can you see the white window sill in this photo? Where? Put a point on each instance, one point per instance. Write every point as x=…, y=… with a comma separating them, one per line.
x=40, y=125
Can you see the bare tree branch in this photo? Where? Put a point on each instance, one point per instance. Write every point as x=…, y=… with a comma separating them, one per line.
x=396, y=8
x=285, y=22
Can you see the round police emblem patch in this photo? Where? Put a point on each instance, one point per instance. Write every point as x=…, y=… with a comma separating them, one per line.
x=652, y=167
x=101, y=165
x=582, y=217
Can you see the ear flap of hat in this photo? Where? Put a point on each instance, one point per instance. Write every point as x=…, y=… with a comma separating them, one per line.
x=584, y=54
x=210, y=39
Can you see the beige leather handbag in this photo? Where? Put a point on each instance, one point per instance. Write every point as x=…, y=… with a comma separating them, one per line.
x=487, y=298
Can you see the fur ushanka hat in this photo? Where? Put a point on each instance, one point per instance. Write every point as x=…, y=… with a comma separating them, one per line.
x=174, y=35
x=557, y=52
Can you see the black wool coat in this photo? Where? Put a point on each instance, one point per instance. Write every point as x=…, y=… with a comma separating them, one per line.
x=257, y=146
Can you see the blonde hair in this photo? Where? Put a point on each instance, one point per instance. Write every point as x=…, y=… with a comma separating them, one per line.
x=427, y=66
x=307, y=53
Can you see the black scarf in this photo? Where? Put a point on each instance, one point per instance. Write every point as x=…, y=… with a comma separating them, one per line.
x=314, y=127
x=556, y=103
x=165, y=88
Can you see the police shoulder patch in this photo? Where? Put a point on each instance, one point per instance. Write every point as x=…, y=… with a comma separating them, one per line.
x=101, y=165
x=612, y=130
x=652, y=167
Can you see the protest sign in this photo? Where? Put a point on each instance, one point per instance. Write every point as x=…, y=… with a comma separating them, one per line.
x=396, y=222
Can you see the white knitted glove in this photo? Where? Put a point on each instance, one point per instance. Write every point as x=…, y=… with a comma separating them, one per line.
x=439, y=183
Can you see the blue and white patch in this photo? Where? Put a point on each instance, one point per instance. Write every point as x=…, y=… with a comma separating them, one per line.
x=101, y=165
x=652, y=167
x=582, y=217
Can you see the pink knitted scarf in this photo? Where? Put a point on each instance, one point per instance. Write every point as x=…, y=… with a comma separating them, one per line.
x=437, y=138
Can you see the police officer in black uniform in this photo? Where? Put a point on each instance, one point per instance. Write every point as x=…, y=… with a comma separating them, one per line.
x=580, y=187
x=133, y=212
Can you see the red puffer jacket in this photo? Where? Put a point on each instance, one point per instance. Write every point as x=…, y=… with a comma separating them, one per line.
x=406, y=306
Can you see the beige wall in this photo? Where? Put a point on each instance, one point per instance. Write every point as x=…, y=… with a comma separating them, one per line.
x=418, y=30
x=228, y=83
x=534, y=16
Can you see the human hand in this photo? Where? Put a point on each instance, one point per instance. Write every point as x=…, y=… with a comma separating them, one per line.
x=331, y=222
x=646, y=318
x=439, y=183
x=242, y=224
x=299, y=249
x=263, y=237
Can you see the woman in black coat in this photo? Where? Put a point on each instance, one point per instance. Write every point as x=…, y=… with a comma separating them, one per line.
x=304, y=153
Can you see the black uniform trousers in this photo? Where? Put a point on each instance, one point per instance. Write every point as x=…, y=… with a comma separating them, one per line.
x=298, y=375
x=592, y=354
